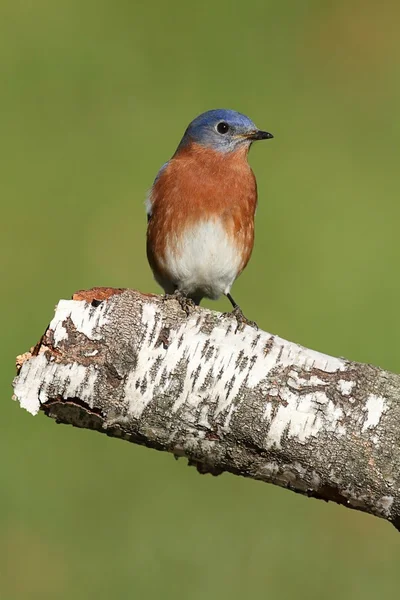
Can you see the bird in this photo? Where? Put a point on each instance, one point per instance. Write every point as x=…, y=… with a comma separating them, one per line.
x=201, y=207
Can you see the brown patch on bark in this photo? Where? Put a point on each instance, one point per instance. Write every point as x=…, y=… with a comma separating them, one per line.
x=97, y=293
x=163, y=338
x=21, y=358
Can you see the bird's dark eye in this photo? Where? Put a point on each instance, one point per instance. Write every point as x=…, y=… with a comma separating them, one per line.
x=222, y=127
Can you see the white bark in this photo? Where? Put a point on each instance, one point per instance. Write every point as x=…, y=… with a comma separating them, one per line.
x=228, y=398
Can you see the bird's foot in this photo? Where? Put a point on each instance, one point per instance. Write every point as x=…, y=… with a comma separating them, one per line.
x=185, y=302
x=241, y=319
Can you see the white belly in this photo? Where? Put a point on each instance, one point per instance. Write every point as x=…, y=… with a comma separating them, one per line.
x=204, y=261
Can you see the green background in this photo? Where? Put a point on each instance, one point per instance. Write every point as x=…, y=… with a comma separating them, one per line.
x=94, y=97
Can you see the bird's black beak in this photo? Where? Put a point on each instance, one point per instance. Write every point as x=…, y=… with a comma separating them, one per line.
x=260, y=135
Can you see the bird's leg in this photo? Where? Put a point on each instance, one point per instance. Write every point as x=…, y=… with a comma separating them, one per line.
x=238, y=314
x=231, y=300
x=186, y=303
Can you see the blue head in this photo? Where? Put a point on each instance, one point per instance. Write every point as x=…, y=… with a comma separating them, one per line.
x=223, y=130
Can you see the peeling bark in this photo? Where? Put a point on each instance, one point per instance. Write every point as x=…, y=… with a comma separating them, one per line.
x=229, y=398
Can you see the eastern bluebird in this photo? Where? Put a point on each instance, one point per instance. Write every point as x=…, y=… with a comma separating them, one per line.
x=201, y=207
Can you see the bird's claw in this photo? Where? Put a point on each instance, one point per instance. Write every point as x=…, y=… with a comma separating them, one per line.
x=241, y=319
x=185, y=302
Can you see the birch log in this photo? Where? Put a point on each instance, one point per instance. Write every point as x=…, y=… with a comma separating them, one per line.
x=228, y=397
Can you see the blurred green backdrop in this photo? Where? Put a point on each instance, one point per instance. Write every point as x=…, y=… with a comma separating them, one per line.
x=95, y=96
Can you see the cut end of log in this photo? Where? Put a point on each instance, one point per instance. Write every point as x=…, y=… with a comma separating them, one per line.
x=21, y=358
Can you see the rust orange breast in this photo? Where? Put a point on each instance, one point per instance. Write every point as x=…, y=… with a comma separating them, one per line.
x=199, y=184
